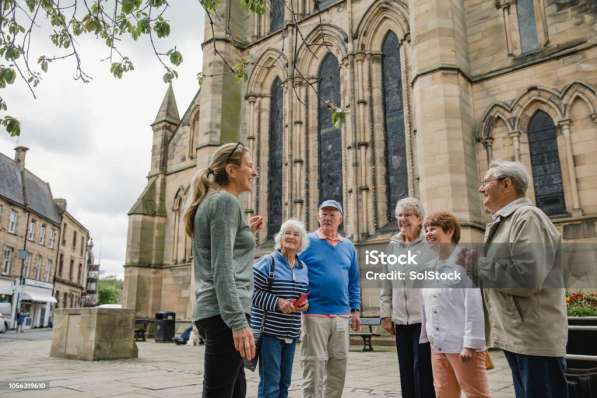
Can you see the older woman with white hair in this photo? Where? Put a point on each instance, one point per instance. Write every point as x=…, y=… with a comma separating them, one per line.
x=400, y=305
x=280, y=281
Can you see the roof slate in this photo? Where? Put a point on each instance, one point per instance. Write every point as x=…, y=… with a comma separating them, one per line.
x=34, y=193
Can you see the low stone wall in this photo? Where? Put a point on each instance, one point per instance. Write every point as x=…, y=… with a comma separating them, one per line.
x=93, y=334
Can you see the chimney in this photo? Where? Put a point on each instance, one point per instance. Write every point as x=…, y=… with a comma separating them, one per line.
x=20, y=154
x=61, y=203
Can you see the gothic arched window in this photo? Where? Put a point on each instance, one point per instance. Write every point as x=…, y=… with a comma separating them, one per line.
x=527, y=25
x=395, y=137
x=276, y=14
x=545, y=163
x=276, y=141
x=330, y=137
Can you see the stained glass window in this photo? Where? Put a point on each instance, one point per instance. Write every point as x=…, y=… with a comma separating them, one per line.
x=276, y=14
x=527, y=25
x=276, y=140
x=396, y=165
x=545, y=162
x=330, y=137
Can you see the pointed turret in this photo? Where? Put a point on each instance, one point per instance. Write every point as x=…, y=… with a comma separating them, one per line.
x=165, y=124
x=168, y=110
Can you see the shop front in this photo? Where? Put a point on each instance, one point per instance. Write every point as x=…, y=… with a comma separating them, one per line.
x=36, y=303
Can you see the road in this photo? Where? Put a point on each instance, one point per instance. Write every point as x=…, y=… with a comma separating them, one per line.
x=27, y=335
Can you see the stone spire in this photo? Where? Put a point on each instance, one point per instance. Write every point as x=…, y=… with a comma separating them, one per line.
x=168, y=110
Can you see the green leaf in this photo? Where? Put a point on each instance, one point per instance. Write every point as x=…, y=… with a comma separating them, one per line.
x=31, y=4
x=9, y=75
x=256, y=6
x=175, y=57
x=12, y=125
x=240, y=70
x=128, y=6
x=200, y=78
x=161, y=27
x=209, y=5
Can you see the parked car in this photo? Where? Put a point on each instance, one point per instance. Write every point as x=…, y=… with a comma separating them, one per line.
x=3, y=323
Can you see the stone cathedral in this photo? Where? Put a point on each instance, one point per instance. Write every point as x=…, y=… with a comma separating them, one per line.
x=433, y=91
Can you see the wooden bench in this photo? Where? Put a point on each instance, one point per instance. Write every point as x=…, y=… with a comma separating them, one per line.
x=141, y=325
x=366, y=336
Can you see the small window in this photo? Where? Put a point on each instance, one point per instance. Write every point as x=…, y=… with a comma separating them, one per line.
x=61, y=265
x=42, y=235
x=74, y=240
x=70, y=270
x=12, y=222
x=80, y=275
x=322, y=4
x=27, y=265
x=276, y=14
x=52, y=238
x=31, y=230
x=37, y=267
x=7, y=259
x=82, y=245
x=64, y=235
x=527, y=25
x=49, y=265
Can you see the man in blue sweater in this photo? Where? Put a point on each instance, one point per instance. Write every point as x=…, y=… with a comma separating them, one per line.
x=334, y=302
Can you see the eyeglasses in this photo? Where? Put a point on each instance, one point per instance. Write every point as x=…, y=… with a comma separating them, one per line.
x=482, y=183
x=234, y=150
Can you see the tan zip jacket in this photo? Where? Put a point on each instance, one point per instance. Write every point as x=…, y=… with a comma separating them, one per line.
x=522, y=249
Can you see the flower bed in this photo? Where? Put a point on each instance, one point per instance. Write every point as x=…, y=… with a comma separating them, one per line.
x=581, y=304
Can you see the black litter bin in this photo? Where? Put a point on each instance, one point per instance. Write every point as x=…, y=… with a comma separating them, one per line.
x=164, y=326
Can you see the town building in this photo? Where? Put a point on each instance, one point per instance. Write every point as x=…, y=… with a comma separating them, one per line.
x=431, y=92
x=31, y=234
x=70, y=283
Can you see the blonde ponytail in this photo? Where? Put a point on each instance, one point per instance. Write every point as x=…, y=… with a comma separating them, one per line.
x=202, y=182
x=199, y=188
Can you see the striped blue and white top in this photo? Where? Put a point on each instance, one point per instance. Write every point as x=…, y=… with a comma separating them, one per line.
x=288, y=283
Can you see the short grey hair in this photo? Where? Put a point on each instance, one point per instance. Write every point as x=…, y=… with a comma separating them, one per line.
x=412, y=204
x=297, y=226
x=513, y=170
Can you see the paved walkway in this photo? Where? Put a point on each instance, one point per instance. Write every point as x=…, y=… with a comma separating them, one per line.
x=167, y=370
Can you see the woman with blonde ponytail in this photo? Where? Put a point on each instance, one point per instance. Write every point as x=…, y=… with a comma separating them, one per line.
x=223, y=251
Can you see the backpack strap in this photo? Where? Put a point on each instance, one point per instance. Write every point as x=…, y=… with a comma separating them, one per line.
x=270, y=275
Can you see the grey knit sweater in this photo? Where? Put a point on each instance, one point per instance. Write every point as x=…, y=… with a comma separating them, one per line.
x=223, y=252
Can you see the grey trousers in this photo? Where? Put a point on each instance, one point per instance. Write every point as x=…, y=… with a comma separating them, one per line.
x=324, y=354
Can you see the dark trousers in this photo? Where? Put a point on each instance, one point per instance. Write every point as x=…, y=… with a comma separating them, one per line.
x=224, y=373
x=414, y=360
x=536, y=376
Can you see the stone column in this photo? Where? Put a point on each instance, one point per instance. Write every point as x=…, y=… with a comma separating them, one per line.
x=565, y=132
x=251, y=109
x=504, y=7
x=298, y=162
x=515, y=136
x=288, y=153
x=350, y=162
x=442, y=97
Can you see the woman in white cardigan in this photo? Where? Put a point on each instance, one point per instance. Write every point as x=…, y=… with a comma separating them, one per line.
x=452, y=319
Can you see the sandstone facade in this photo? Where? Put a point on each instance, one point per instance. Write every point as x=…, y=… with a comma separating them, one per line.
x=475, y=78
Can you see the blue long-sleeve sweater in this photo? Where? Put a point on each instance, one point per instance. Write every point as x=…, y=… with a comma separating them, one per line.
x=334, y=279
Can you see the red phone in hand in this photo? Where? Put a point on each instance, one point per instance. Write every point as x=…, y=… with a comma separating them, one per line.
x=302, y=300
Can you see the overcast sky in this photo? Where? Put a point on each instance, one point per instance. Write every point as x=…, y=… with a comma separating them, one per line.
x=92, y=142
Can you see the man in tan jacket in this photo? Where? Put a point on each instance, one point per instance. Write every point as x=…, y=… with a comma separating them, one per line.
x=523, y=295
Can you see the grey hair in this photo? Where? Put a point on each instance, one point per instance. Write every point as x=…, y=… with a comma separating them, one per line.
x=297, y=226
x=410, y=203
x=513, y=170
